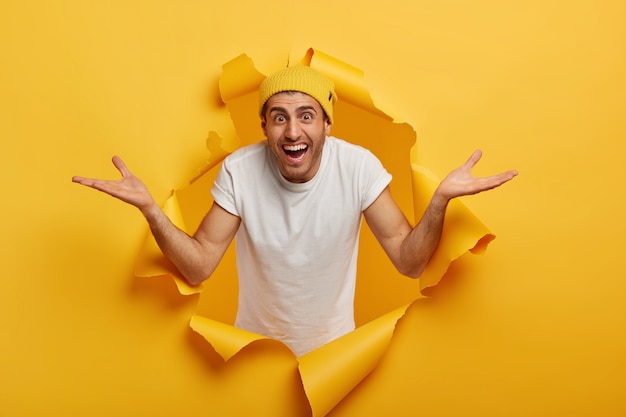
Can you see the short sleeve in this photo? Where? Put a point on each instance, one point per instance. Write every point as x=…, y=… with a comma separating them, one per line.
x=223, y=191
x=375, y=179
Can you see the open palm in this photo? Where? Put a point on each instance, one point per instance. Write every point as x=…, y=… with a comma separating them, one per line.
x=461, y=182
x=129, y=188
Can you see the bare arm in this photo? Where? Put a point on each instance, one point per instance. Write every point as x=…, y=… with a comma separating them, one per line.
x=410, y=249
x=197, y=256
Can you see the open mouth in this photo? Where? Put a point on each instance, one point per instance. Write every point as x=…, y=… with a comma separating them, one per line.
x=295, y=153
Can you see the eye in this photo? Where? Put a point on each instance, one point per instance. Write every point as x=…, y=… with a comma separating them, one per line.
x=279, y=118
x=306, y=116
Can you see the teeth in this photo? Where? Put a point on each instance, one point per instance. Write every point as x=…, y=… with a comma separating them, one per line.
x=293, y=148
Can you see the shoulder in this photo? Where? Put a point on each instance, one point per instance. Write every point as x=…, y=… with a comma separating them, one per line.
x=344, y=146
x=240, y=174
x=242, y=165
x=347, y=151
x=243, y=159
x=246, y=153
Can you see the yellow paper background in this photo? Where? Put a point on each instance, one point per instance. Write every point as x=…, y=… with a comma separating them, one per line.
x=535, y=326
x=331, y=372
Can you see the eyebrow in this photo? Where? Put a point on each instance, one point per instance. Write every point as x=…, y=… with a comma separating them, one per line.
x=299, y=109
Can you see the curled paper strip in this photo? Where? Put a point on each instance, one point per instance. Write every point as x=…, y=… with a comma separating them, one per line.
x=330, y=372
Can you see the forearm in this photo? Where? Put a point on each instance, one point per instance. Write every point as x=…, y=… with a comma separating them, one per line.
x=419, y=246
x=181, y=249
x=410, y=249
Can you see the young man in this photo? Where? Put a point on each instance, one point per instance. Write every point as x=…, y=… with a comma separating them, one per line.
x=295, y=203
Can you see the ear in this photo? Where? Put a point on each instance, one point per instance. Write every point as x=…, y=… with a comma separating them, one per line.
x=264, y=127
x=327, y=126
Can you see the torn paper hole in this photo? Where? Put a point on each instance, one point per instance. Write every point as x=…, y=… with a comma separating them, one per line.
x=330, y=372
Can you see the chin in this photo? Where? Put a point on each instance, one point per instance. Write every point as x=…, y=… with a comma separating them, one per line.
x=298, y=176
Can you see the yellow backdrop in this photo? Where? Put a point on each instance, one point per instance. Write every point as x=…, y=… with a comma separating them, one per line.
x=533, y=327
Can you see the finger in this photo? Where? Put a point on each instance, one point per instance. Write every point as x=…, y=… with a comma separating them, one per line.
x=499, y=179
x=121, y=166
x=89, y=182
x=506, y=176
x=510, y=174
x=83, y=180
x=473, y=160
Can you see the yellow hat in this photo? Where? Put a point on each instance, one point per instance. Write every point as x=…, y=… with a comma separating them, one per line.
x=303, y=79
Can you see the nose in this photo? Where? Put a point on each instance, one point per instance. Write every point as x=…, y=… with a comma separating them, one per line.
x=293, y=129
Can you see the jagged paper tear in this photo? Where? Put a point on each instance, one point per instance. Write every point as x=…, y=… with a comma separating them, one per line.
x=330, y=372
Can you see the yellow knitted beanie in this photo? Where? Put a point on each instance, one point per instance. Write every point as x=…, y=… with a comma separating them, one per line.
x=303, y=79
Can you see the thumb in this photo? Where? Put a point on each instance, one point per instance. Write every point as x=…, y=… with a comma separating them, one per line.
x=121, y=166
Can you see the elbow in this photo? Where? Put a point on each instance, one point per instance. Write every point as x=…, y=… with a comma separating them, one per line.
x=194, y=281
x=195, y=278
x=412, y=268
x=414, y=275
x=413, y=271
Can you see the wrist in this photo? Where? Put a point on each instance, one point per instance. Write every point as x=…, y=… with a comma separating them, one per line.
x=150, y=211
x=439, y=199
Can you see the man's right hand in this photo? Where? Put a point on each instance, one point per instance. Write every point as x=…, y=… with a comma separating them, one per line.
x=129, y=188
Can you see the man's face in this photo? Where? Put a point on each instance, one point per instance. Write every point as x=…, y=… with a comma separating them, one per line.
x=296, y=128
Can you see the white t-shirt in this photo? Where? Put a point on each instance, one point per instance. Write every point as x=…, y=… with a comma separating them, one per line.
x=297, y=244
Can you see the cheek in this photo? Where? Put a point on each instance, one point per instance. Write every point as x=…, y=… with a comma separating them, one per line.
x=270, y=135
x=272, y=140
x=272, y=143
